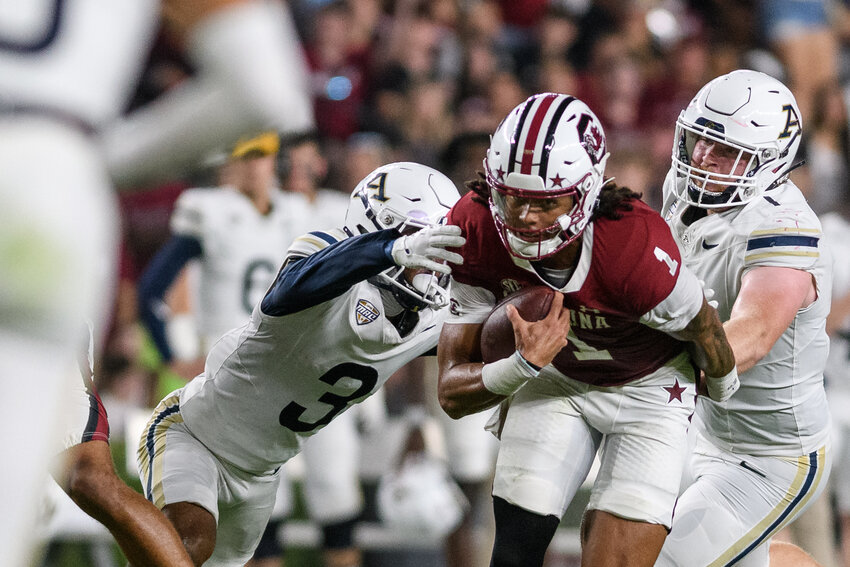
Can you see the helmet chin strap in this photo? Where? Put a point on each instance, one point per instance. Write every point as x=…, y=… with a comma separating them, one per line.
x=702, y=198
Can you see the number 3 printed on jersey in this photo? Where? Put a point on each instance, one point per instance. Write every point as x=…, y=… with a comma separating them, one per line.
x=290, y=416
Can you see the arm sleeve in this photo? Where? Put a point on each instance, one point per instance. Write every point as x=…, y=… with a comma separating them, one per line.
x=328, y=273
x=156, y=280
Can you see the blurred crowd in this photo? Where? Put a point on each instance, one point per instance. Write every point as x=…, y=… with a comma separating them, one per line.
x=429, y=80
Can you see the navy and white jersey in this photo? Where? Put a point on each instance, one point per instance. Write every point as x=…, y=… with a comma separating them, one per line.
x=238, y=251
x=781, y=406
x=317, y=343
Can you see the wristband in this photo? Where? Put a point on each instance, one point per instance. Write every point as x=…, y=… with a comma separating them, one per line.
x=533, y=368
x=721, y=389
x=506, y=376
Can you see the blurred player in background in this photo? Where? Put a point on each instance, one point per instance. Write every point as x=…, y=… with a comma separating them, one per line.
x=348, y=308
x=238, y=233
x=609, y=371
x=66, y=71
x=745, y=229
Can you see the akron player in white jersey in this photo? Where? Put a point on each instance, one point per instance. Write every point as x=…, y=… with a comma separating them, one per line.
x=239, y=234
x=348, y=308
x=67, y=70
x=745, y=229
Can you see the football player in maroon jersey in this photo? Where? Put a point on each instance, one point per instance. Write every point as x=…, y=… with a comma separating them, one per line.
x=613, y=364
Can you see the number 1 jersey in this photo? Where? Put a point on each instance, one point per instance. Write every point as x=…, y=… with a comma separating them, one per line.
x=628, y=291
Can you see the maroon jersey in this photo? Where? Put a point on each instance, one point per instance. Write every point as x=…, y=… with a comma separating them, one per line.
x=630, y=268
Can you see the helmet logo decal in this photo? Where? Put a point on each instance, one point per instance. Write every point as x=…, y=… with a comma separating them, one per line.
x=710, y=125
x=378, y=183
x=591, y=138
x=791, y=121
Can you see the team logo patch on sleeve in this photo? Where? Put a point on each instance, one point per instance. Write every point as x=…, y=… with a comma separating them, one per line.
x=365, y=312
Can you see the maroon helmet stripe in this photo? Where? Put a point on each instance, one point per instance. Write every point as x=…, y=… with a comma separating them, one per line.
x=517, y=132
x=527, y=159
x=550, y=136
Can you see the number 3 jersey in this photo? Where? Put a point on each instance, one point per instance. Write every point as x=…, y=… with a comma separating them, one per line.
x=241, y=250
x=319, y=342
x=628, y=291
x=781, y=406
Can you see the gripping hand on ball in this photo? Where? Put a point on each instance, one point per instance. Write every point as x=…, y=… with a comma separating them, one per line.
x=426, y=248
x=540, y=341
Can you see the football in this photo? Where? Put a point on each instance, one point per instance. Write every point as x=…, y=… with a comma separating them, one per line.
x=497, y=334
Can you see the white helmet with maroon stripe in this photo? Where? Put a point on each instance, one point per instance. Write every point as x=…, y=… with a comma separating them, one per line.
x=550, y=146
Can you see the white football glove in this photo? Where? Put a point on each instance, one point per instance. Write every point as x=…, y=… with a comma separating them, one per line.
x=709, y=294
x=721, y=389
x=425, y=247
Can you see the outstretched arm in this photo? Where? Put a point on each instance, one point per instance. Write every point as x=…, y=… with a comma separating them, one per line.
x=155, y=282
x=251, y=77
x=330, y=272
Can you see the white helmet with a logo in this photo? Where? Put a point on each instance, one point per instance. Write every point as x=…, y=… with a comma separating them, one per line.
x=552, y=145
x=405, y=196
x=750, y=112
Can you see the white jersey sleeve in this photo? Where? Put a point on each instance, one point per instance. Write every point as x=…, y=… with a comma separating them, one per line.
x=469, y=304
x=788, y=239
x=312, y=242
